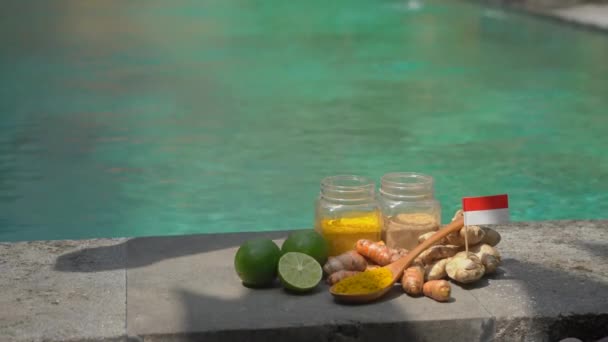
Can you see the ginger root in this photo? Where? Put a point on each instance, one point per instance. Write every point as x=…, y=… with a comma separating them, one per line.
x=438, y=252
x=349, y=261
x=459, y=213
x=398, y=253
x=426, y=236
x=436, y=270
x=378, y=252
x=489, y=256
x=474, y=234
x=338, y=276
x=438, y=290
x=465, y=268
x=412, y=280
x=491, y=237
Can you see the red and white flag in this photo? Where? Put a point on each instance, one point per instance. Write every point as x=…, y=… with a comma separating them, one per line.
x=485, y=210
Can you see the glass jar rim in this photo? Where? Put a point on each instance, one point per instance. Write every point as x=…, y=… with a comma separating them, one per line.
x=358, y=182
x=347, y=187
x=420, y=179
x=404, y=185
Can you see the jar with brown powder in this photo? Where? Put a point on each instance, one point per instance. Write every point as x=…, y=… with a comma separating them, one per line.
x=409, y=208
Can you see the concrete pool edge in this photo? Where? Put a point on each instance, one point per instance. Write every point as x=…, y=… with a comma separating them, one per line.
x=583, y=15
x=112, y=289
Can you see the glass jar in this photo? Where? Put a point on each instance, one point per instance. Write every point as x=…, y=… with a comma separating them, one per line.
x=409, y=208
x=347, y=211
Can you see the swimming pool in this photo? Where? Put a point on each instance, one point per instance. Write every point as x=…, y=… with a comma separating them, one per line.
x=156, y=118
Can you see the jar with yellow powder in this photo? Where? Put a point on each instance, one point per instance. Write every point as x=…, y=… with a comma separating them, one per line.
x=409, y=208
x=347, y=211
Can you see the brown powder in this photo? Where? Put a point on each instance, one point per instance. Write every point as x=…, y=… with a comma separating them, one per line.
x=403, y=230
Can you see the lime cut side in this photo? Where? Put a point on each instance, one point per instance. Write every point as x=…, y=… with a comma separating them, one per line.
x=299, y=272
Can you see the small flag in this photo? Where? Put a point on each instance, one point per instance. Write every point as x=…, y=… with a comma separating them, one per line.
x=485, y=210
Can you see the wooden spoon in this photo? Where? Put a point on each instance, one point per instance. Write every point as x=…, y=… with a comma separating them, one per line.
x=400, y=265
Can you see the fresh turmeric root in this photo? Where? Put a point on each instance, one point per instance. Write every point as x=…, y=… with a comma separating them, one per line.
x=438, y=290
x=349, y=261
x=378, y=252
x=412, y=280
x=338, y=276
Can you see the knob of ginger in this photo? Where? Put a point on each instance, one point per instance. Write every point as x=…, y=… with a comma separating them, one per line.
x=491, y=237
x=465, y=268
x=426, y=236
x=489, y=256
x=438, y=252
x=488, y=235
x=436, y=270
x=472, y=234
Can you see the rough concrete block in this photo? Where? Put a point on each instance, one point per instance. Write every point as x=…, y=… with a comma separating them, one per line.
x=595, y=15
x=195, y=295
x=553, y=282
x=63, y=291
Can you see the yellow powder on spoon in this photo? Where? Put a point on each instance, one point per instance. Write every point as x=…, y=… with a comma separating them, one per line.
x=365, y=282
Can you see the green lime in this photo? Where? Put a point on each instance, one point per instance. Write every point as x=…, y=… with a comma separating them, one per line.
x=299, y=272
x=308, y=242
x=256, y=262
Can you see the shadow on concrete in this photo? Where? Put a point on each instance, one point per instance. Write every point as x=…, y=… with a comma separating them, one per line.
x=542, y=297
x=565, y=302
x=309, y=328
x=554, y=294
x=598, y=249
x=144, y=251
x=479, y=284
x=201, y=299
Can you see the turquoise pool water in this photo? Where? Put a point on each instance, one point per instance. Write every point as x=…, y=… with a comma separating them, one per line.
x=155, y=117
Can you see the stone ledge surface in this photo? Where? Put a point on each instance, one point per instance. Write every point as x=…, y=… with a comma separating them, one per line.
x=594, y=15
x=58, y=291
x=553, y=284
x=553, y=281
x=585, y=15
x=201, y=294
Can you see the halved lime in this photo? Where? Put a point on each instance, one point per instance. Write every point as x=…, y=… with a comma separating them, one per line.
x=299, y=272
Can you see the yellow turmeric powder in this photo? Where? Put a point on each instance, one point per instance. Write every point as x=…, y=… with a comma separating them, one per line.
x=343, y=233
x=365, y=282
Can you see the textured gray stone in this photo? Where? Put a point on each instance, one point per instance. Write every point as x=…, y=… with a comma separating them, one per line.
x=56, y=291
x=202, y=298
x=552, y=285
x=587, y=14
x=553, y=282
